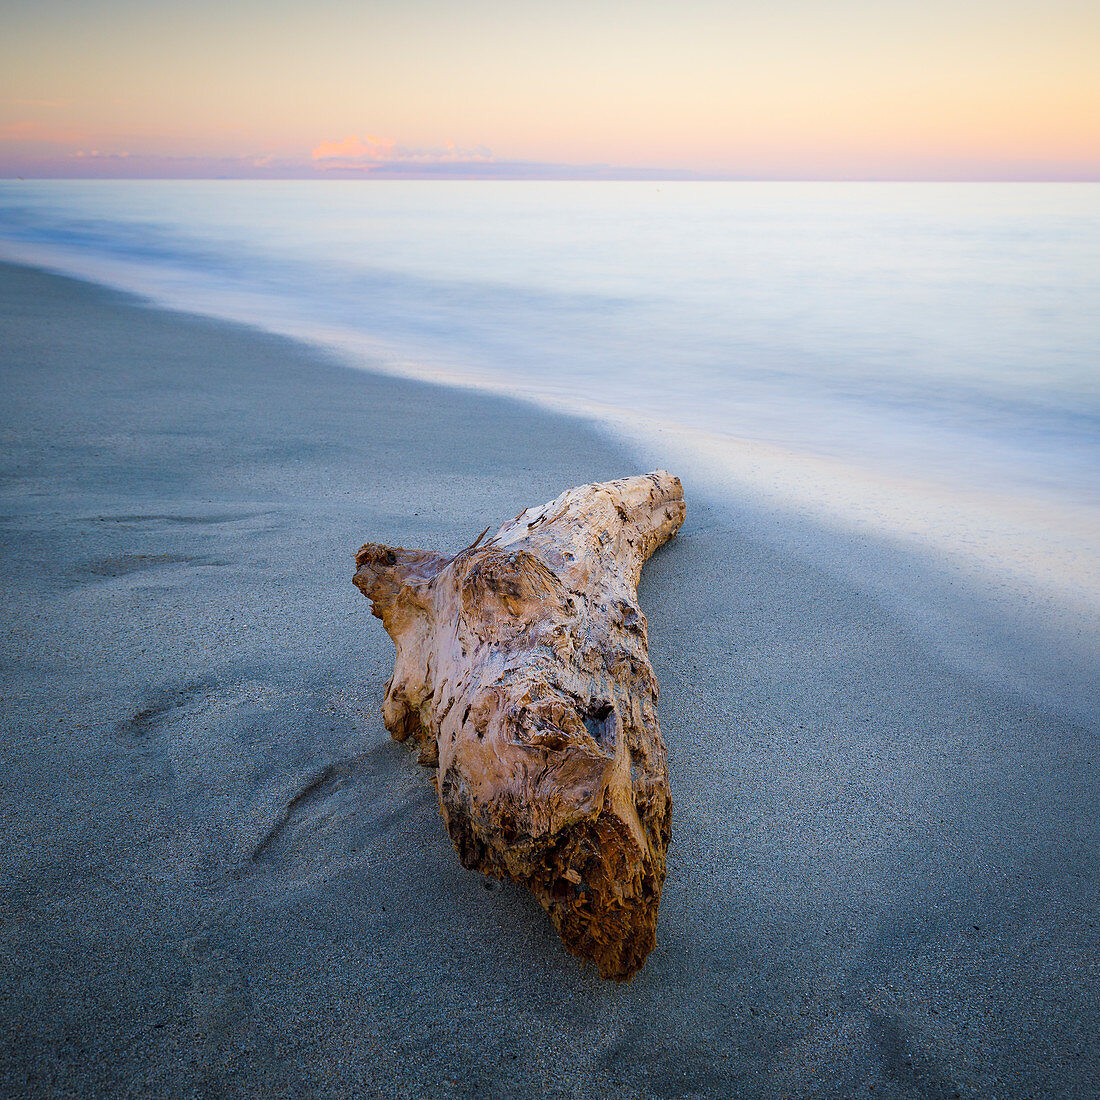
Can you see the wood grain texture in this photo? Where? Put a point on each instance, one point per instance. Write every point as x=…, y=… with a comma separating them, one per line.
x=522, y=673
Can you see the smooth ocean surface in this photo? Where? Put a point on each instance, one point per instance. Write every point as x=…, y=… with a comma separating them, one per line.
x=939, y=331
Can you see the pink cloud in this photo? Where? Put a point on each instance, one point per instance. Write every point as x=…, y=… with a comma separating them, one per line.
x=351, y=148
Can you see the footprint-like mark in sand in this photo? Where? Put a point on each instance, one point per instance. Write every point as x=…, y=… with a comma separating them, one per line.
x=161, y=705
x=255, y=813
x=337, y=812
x=322, y=785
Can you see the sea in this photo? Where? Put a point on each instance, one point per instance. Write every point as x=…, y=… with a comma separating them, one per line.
x=910, y=366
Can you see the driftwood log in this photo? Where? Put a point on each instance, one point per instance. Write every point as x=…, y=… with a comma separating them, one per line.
x=522, y=673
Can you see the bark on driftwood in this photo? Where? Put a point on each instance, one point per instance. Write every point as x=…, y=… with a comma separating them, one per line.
x=522, y=672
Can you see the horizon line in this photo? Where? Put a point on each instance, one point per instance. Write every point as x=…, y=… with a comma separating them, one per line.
x=547, y=178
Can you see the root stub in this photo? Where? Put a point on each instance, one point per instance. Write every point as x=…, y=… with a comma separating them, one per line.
x=522, y=674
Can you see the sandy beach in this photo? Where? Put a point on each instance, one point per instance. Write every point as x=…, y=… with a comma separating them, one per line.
x=883, y=874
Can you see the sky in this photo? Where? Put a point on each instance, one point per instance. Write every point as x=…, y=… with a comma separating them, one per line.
x=768, y=89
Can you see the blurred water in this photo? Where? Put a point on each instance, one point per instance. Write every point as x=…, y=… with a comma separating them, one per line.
x=918, y=357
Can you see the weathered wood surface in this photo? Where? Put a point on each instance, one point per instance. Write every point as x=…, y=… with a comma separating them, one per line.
x=522, y=673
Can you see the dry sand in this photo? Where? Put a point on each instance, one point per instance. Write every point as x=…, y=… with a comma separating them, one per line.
x=883, y=878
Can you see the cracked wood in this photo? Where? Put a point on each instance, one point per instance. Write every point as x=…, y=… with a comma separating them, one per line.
x=522, y=674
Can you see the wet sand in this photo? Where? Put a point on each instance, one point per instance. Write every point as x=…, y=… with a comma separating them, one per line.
x=221, y=878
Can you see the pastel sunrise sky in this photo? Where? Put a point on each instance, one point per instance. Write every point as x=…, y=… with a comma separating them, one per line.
x=786, y=89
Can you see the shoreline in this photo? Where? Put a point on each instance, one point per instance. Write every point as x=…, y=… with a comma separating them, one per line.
x=879, y=867
x=993, y=526
x=999, y=594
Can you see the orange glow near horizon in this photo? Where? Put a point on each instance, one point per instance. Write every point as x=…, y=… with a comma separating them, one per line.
x=799, y=87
